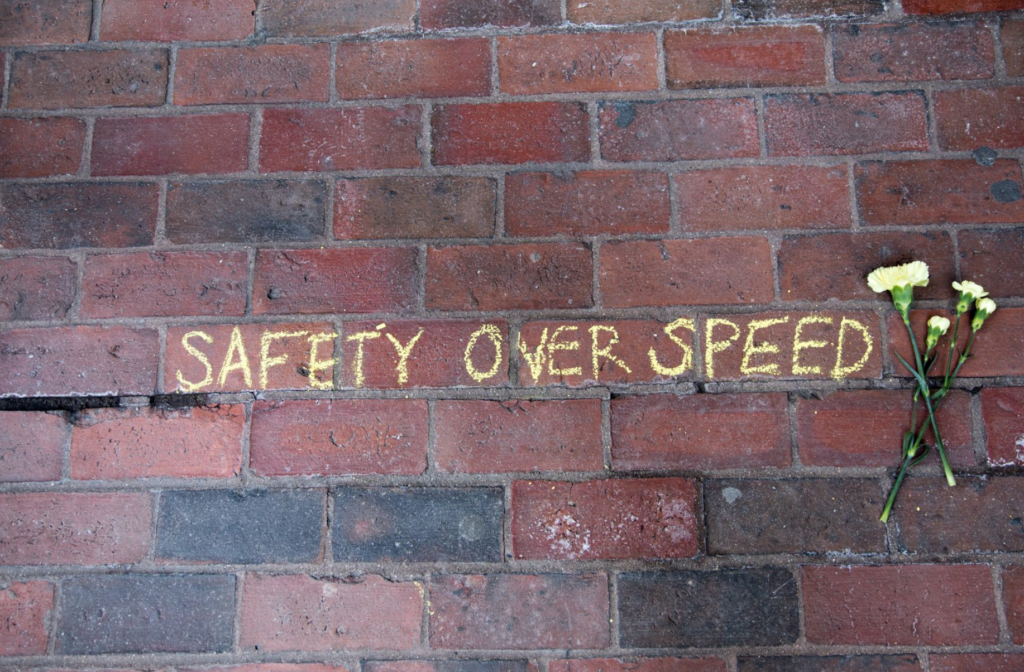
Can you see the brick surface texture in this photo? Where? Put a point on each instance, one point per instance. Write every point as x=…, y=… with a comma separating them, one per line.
x=505, y=335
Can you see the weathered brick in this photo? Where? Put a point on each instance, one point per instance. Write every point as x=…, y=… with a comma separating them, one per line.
x=274, y=667
x=113, y=443
x=848, y=663
x=436, y=358
x=404, y=68
x=991, y=259
x=165, y=284
x=315, y=18
x=449, y=206
x=38, y=528
x=1013, y=46
x=604, y=519
x=65, y=361
x=997, y=351
x=640, y=11
x=976, y=662
x=40, y=147
x=79, y=214
x=25, y=613
x=640, y=665
x=896, y=52
x=351, y=280
x=531, y=276
x=585, y=62
x=519, y=611
x=1003, y=413
x=417, y=524
x=442, y=14
x=177, y=20
x=36, y=288
x=518, y=436
x=787, y=9
x=704, y=431
x=864, y=428
x=961, y=6
x=587, y=202
x=283, y=613
x=230, y=358
x=900, y=605
x=135, y=613
x=308, y=438
x=971, y=118
x=756, y=56
x=246, y=211
x=745, y=607
x=211, y=143
x=544, y=132
x=254, y=526
x=44, y=22
x=3, y=77
x=340, y=139
x=803, y=516
x=939, y=192
x=685, y=272
x=763, y=197
x=1013, y=599
x=678, y=130
x=60, y=79
x=33, y=446
x=846, y=123
x=834, y=265
x=268, y=73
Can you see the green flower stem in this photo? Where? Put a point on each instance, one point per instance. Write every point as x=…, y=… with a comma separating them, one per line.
x=926, y=393
x=946, y=380
x=899, y=480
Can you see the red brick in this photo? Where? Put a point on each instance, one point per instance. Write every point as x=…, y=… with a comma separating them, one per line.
x=315, y=18
x=40, y=147
x=442, y=14
x=36, y=288
x=587, y=202
x=145, y=443
x=78, y=214
x=864, y=428
x=33, y=447
x=757, y=56
x=38, y=528
x=44, y=22
x=897, y=52
x=405, y=68
x=900, y=605
x=63, y=361
x=216, y=366
x=269, y=73
x=685, y=272
x=532, y=276
x=976, y=662
x=1013, y=599
x=285, y=613
x=763, y=197
x=678, y=130
x=997, y=351
x=215, y=143
x=3, y=77
x=480, y=437
x=938, y=192
x=1013, y=46
x=351, y=280
x=177, y=20
x=25, y=612
x=992, y=259
x=519, y=611
x=274, y=667
x=510, y=133
x=1003, y=413
x=373, y=137
x=836, y=265
x=587, y=62
x=437, y=357
x=414, y=207
x=971, y=118
x=722, y=431
x=118, y=78
x=790, y=9
x=960, y=6
x=640, y=665
x=357, y=436
x=640, y=11
x=850, y=123
x=604, y=519
x=165, y=284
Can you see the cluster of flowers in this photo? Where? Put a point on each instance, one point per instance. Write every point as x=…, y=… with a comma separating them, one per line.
x=900, y=281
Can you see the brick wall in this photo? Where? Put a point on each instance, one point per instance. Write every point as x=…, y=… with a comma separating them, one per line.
x=503, y=335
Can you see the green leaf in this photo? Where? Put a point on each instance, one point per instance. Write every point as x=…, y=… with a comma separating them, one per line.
x=920, y=379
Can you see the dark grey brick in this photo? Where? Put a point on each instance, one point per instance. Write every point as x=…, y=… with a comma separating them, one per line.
x=417, y=524
x=232, y=527
x=904, y=663
x=146, y=614
x=744, y=607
